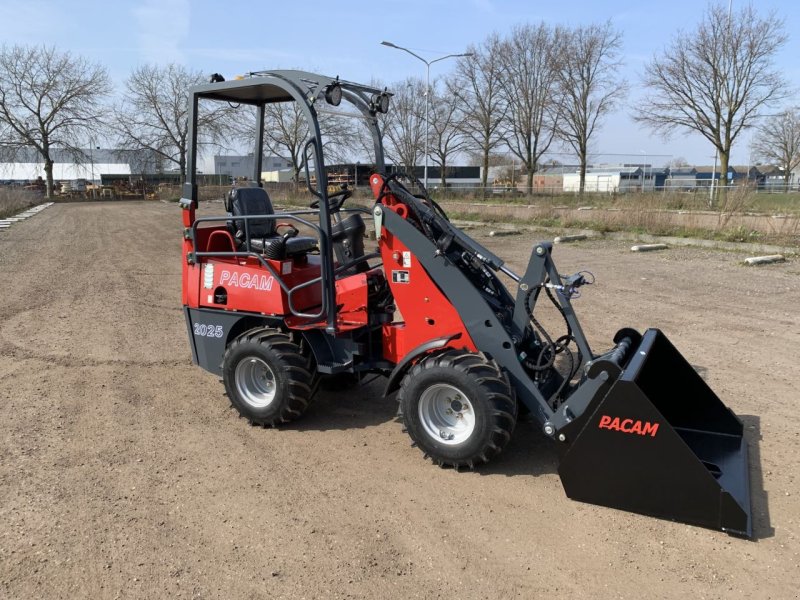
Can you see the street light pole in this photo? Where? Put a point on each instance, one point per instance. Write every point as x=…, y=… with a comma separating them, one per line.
x=713, y=179
x=644, y=169
x=427, y=102
x=91, y=158
x=428, y=64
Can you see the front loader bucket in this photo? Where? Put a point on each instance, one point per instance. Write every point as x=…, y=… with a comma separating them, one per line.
x=659, y=442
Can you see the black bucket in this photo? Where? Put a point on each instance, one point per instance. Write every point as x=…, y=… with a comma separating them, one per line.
x=659, y=442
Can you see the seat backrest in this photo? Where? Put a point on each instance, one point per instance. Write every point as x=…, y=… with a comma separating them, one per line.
x=252, y=201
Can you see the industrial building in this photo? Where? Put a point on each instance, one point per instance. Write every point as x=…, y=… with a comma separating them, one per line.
x=610, y=180
x=243, y=166
x=87, y=164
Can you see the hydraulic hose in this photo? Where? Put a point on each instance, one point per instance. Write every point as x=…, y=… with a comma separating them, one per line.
x=560, y=345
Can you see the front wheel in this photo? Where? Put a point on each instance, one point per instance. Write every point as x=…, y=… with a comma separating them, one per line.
x=458, y=408
x=266, y=377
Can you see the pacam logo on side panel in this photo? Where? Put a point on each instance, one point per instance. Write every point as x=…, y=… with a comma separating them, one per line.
x=249, y=281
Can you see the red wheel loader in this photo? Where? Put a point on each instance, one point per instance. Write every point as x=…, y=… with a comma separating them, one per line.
x=273, y=312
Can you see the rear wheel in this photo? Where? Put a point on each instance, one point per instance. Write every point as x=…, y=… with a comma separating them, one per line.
x=458, y=408
x=266, y=377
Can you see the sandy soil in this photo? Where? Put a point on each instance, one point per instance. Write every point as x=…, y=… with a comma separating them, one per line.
x=124, y=473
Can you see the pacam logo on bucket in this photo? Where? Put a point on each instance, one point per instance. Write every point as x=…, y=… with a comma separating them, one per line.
x=628, y=425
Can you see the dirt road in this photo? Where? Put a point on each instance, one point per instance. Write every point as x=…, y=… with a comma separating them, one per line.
x=124, y=473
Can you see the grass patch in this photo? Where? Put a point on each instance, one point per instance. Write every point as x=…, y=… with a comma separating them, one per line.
x=648, y=213
x=776, y=203
x=696, y=200
x=14, y=200
x=637, y=223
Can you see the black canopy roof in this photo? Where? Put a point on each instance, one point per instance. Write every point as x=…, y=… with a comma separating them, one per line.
x=264, y=87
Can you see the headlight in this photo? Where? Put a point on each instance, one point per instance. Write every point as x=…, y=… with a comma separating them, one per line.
x=333, y=94
x=380, y=102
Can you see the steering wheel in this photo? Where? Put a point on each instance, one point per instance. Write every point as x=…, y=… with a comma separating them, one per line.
x=335, y=202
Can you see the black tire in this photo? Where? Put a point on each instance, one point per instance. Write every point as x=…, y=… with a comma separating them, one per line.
x=460, y=382
x=266, y=377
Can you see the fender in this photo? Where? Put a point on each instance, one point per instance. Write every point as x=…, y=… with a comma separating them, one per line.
x=212, y=330
x=404, y=365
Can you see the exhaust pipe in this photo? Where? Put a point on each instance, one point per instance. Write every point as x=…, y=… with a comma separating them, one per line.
x=658, y=441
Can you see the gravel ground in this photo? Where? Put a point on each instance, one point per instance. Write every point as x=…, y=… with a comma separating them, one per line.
x=125, y=473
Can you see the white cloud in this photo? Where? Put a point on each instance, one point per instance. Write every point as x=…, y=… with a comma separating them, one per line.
x=163, y=26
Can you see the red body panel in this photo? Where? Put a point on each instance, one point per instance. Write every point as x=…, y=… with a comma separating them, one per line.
x=352, y=302
x=351, y=298
x=251, y=287
x=426, y=311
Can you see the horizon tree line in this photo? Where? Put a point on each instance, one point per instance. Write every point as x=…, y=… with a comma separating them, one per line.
x=516, y=95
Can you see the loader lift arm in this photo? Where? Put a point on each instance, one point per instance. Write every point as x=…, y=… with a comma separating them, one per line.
x=496, y=321
x=629, y=438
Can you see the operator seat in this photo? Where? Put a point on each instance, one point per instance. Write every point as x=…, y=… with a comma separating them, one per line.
x=264, y=237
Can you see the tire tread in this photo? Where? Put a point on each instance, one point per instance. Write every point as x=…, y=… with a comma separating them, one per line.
x=487, y=375
x=294, y=365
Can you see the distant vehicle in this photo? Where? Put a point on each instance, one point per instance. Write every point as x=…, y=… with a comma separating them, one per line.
x=73, y=186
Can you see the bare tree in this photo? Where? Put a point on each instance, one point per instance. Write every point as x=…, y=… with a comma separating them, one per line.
x=446, y=137
x=529, y=80
x=589, y=84
x=50, y=100
x=778, y=142
x=716, y=79
x=286, y=132
x=357, y=137
x=154, y=115
x=477, y=84
x=677, y=162
x=404, y=125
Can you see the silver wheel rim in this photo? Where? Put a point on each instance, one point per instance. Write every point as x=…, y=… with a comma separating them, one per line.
x=255, y=382
x=446, y=414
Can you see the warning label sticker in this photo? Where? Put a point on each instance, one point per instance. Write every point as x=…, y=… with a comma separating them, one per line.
x=401, y=277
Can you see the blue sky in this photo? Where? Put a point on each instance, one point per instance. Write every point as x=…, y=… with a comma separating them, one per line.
x=233, y=36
